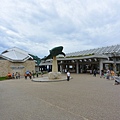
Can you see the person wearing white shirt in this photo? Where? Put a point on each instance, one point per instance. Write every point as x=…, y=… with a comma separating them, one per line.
x=68, y=76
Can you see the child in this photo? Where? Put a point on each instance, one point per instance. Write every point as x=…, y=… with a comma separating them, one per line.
x=105, y=75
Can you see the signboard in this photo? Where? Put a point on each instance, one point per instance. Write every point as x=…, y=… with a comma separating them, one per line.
x=17, y=67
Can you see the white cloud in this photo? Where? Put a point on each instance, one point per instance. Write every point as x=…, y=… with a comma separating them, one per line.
x=39, y=25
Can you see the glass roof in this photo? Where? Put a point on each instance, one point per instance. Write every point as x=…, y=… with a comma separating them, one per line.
x=102, y=50
x=15, y=54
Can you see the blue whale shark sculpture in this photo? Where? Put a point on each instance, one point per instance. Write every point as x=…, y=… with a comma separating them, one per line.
x=54, y=52
x=36, y=58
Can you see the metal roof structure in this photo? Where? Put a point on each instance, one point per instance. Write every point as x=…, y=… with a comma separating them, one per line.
x=15, y=55
x=85, y=57
x=114, y=49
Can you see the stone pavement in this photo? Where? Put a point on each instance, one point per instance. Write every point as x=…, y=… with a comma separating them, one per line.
x=82, y=98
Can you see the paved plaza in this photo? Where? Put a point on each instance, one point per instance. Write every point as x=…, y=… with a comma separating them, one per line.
x=82, y=98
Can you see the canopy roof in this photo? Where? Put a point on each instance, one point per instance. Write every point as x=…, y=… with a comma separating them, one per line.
x=115, y=49
x=15, y=55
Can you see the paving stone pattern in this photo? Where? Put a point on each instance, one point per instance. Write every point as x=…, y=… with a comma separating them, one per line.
x=82, y=98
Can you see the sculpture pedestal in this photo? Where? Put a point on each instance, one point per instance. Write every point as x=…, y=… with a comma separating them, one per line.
x=54, y=75
x=54, y=64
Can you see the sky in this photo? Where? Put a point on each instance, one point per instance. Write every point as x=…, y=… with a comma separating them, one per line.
x=37, y=26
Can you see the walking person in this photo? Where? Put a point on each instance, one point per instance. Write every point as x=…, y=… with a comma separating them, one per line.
x=90, y=72
x=16, y=75
x=13, y=76
x=94, y=73
x=37, y=73
x=33, y=74
x=25, y=76
x=41, y=73
x=68, y=76
x=30, y=75
x=108, y=74
x=102, y=74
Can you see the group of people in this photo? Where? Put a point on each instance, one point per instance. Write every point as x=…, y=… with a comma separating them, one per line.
x=26, y=75
x=14, y=75
x=32, y=74
x=108, y=74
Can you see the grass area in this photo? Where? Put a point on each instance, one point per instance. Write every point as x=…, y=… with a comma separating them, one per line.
x=3, y=78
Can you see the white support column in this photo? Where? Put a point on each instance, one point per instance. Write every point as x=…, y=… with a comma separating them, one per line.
x=77, y=67
x=114, y=68
x=81, y=68
x=101, y=65
x=61, y=67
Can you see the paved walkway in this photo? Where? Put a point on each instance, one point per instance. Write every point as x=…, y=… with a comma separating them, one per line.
x=82, y=98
